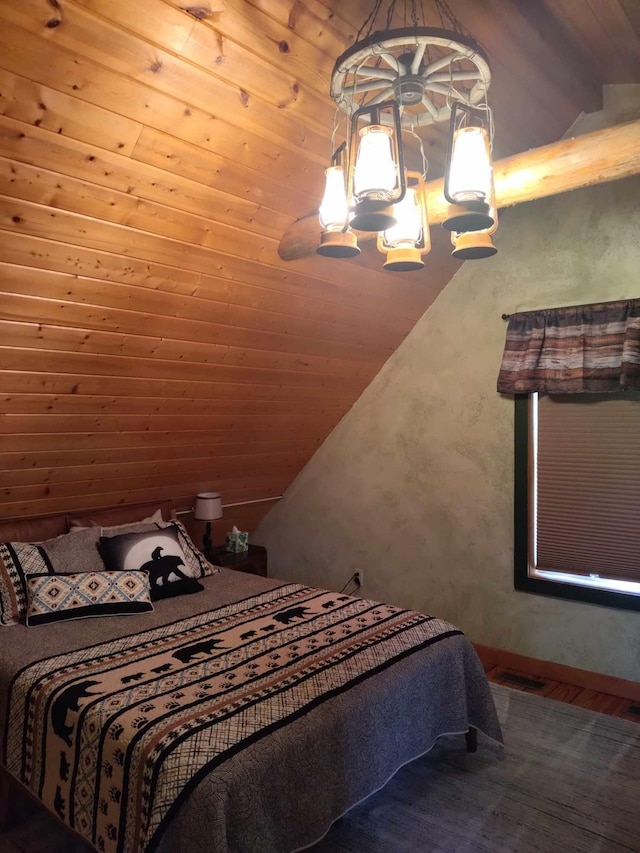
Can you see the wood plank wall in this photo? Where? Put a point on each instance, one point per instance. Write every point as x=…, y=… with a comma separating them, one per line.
x=152, y=343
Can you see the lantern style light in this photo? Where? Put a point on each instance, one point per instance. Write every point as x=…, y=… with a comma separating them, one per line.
x=334, y=209
x=374, y=171
x=337, y=240
x=376, y=176
x=408, y=79
x=406, y=242
x=468, y=182
x=473, y=245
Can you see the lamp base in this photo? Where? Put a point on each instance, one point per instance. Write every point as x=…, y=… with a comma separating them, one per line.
x=470, y=216
x=403, y=260
x=206, y=539
x=473, y=245
x=338, y=244
x=373, y=216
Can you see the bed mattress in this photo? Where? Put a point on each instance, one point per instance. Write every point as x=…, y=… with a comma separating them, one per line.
x=247, y=717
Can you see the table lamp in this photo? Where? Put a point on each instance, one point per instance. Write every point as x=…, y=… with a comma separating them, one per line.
x=208, y=508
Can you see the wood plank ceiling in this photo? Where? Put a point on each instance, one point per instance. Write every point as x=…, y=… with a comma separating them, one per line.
x=152, y=343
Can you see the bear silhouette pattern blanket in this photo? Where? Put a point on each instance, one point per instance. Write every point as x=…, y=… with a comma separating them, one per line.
x=115, y=736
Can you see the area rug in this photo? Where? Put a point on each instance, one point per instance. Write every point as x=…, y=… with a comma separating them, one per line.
x=567, y=782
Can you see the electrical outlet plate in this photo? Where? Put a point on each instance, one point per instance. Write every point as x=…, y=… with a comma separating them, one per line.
x=359, y=573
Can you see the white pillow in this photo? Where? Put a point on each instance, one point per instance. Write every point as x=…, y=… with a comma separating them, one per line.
x=143, y=526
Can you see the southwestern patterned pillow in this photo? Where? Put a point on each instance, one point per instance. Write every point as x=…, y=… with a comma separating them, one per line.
x=71, y=552
x=55, y=598
x=157, y=552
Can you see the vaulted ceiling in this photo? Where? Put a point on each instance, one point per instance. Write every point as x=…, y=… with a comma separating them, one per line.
x=153, y=343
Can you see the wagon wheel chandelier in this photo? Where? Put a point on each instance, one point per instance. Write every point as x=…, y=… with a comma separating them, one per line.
x=387, y=87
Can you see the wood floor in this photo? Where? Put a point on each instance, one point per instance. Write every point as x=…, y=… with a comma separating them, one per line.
x=572, y=694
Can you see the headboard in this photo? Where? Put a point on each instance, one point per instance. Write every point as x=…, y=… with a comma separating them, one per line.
x=39, y=529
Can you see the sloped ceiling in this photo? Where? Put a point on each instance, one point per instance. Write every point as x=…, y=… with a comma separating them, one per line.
x=152, y=342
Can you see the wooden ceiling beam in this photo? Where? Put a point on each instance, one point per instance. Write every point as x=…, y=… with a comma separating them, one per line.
x=582, y=161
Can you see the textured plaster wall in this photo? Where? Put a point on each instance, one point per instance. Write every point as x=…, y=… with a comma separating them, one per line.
x=416, y=483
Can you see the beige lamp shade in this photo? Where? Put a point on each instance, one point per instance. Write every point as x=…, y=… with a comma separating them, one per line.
x=208, y=506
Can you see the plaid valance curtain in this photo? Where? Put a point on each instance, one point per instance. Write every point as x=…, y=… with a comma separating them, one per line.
x=582, y=349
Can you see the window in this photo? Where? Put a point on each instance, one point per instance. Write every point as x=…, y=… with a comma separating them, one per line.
x=577, y=497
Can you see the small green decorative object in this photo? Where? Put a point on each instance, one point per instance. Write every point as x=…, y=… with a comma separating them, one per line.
x=237, y=541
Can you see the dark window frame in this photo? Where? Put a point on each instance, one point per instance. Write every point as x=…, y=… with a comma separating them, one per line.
x=522, y=579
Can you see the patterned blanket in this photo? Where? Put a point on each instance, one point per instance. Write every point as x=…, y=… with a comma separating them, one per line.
x=112, y=737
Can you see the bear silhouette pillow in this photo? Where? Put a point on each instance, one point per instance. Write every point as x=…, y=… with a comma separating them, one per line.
x=156, y=552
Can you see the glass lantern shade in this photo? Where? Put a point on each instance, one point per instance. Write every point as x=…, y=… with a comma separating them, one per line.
x=470, y=173
x=375, y=173
x=407, y=231
x=406, y=242
x=334, y=209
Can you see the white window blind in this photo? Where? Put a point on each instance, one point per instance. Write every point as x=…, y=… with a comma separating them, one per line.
x=587, y=485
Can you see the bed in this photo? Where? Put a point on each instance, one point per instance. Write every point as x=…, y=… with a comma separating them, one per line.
x=246, y=717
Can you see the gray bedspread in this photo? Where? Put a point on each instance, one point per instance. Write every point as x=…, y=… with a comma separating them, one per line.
x=307, y=701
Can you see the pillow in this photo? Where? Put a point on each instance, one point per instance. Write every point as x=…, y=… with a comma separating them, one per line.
x=157, y=552
x=198, y=565
x=195, y=561
x=56, y=598
x=70, y=552
x=133, y=527
x=186, y=586
x=74, y=552
x=102, y=519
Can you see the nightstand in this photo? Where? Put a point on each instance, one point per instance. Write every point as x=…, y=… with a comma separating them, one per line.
x=253, y=561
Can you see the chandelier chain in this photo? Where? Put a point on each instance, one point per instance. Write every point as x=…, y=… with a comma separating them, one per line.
x=409, y=9
x=391, y=9
x=413, y=9
x=369, y=21
x=447, y=18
